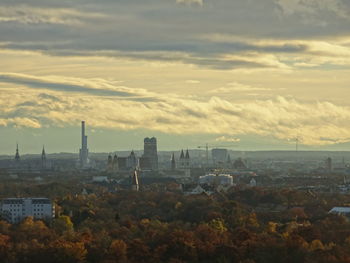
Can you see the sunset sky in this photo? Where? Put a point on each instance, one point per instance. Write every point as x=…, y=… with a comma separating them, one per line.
x=254, y=73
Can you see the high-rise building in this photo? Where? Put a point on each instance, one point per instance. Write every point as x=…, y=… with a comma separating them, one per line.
x=84, y=151
x=150, y=152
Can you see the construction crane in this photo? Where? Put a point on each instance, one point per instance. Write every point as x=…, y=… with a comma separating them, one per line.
x=206, y=147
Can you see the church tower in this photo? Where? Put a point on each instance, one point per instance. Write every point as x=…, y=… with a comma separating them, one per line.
x=115, y=166
x=43, y=158
x=182, y=159
x=187, y=160
x=17, y=157
x=109, y=163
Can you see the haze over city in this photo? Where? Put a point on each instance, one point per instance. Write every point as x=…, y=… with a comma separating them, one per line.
x=189, y=72
x=199, y=131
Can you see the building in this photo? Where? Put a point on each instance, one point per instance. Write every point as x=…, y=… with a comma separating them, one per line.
x=252, y=183
x=185, y=160
x=239, y=164
x=216, y=179
x=150, y=152
x=329, y=164
x=115, y=163
x=84, y=151
x=198, y=190
x=14, y=210
x=185, y=163
x=219, y=156
x=131, y=161
x=340, y=210
x=228, y=162
x=109, y=163
x=100, y=179
x=144, y=163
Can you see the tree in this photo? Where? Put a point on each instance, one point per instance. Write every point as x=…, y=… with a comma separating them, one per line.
x=63, y=224
x=118, y=250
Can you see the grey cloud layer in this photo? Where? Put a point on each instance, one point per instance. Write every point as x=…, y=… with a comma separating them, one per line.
x=137, y=28
x=282, y=118
x=81, y=86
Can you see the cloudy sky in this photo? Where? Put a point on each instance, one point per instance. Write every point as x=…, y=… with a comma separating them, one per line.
x=255, y=74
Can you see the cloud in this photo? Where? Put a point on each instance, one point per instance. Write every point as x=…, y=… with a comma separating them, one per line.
x=229, y=40
x=227, y=139
x=190, y=2
x=234, y=87
x=20, y=122
x=221, y=52
x=281, y=117
x=313, y=7
x=192, y=81
x=25, y=14
x=72, y=85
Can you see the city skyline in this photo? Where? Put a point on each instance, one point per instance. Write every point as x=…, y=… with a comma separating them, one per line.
x=188, y=72
x=136, y=142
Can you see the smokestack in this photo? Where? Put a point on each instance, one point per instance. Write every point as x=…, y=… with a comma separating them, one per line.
x=82, y=133
x=84, y=152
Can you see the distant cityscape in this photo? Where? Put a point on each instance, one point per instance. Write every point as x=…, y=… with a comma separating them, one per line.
x=205, y=165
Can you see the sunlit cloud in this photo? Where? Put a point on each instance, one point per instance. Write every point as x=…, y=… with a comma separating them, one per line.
x=227, y=139
x=280, y=117
x=234, y=87
x=222, y=68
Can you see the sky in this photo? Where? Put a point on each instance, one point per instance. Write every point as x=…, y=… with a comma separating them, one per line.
x=246, y=74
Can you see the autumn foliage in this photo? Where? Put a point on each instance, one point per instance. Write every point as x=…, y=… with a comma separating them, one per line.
x=251, y=226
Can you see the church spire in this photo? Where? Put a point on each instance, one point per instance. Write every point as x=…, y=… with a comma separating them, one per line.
x=182, y=155
x=187, y=154
x=43, y=158
x=17, y=157
x=173, y=163
x=43, y=154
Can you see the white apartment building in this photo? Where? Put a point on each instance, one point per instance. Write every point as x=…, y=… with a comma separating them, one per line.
x=14, y=210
